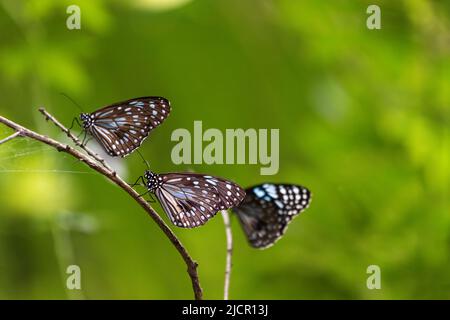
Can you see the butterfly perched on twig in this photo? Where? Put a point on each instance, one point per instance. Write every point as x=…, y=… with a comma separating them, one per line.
x=267, y=209
x=121, y=127
x=191, y=199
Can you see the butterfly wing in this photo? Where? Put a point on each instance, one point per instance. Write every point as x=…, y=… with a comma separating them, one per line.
x=190, y=200
x=122, y=127
x=267, y=210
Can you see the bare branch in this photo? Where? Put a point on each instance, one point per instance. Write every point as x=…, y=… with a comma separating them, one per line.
x=228, y=263
x=14, y=135
x=92, y=162
x=77, y=141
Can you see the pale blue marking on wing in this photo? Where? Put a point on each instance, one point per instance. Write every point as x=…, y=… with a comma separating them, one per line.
x=259, y=192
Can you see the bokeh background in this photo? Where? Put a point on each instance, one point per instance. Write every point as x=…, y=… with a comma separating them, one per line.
x=363, y=118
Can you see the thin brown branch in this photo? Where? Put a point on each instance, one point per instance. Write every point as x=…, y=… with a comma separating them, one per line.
x=228, y=263
x=14, y=135
x=75, y=139
x=111, y=175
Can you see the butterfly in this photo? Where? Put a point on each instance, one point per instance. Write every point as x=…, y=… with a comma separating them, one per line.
x=191, y=199
x=267, y=209
x=120, y=128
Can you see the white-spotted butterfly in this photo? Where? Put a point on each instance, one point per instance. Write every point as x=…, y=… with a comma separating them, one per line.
x=191, y=199
x=120, y=128
x=267, y=209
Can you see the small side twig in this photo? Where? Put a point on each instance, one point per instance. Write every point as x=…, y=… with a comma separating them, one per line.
x=228, y=263
x=93, y=163
x=77, y=141
x=14, y=135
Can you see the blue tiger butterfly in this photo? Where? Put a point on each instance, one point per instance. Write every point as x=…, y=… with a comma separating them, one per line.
x=191, y=199
x=267, y=209
x=120, y=128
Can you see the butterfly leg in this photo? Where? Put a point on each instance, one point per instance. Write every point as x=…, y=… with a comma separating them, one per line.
x=87, y=141
x=152, y=200
x=69, y=131
x=79, y=135
x=84, y=142
x=75, y=120
x=138, y=181
x=143, y=194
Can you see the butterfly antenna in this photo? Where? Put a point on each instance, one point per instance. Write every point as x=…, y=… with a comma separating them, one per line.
x=73, y=101
x=145, y=161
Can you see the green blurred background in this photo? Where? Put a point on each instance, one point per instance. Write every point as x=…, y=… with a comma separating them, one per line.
x=363, y=117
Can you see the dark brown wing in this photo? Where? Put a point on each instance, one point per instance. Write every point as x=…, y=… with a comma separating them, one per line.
x=122, y=127
x=267, y=210
x=190, y=200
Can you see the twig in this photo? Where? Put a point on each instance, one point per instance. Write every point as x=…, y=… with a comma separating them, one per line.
x=14, y=135
x=77, y=141
x=111, y=175
x=228, y=263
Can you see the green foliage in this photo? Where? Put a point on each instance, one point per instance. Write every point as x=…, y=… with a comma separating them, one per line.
x=363, y=118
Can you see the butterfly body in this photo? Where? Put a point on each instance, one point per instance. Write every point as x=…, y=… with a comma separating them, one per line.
x=190, y=199
x=120, y=128
x=267, y=210
x=87, y=120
